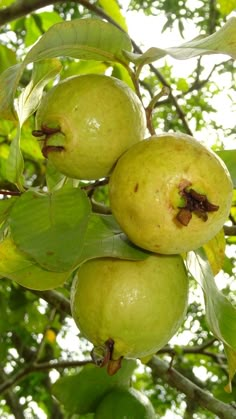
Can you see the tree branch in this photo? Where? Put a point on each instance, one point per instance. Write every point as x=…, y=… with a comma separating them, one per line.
x=192, y=391
x=12, y=400
x=43, y=366
x=230, y=230
x=56, y=299
x=219, y=358
x=21, y=8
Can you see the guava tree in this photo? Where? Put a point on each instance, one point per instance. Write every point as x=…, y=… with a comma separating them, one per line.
x=59, y=212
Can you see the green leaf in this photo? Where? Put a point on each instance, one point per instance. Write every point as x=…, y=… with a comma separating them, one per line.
x=221, y=42
x=9, y=80
x=54, y=179
x=30, y=97
x=32, y=30
x=4, y=3
x=16, y=265
x=229, y=158
x=226, y=6
x=27, y=104
x=5, y=208
x=15, y=162
x=50, y=227
x=105, y=239
x=81, y=393
x=220, y=313
x=231, y=357
x=7, y=58
x=112, y=9
x=84, y=67
x=215, y=251
x=87, y=39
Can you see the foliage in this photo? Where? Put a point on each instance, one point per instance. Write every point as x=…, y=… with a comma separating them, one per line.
x=39, y=344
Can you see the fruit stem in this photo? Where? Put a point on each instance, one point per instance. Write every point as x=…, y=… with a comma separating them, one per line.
x=165, y=91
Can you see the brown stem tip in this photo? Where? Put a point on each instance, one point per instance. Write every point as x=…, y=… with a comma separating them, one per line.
x=102, y=356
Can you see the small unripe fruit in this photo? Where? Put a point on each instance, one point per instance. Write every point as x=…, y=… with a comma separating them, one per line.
x=87, y=122
x=121, y=404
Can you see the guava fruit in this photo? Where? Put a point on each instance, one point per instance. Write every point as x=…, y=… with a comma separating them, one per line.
x=125, y=404
x=87, y=122
x=170, y=194
x=129, y=308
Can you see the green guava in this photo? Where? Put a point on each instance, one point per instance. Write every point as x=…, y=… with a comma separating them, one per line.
x=87, y=122
x=129, y=308
x=170, y=194
x=125, y=404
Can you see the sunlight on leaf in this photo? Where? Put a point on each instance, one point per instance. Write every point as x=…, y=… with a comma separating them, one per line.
x=87, y=39
x=7, y=58
x=215, y=251
x=112, y=9
x=226, y=6
x=9, y=80
x=16, y=265
x=231, y=357
x=15, y=163
x=221, y=42
x=26, y=105
x=220, y=312
x=229, y=158
x=30, y=97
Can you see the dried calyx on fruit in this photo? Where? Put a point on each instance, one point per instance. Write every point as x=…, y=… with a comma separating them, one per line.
x=170, y=194
x=86, y=122
x=196, y=203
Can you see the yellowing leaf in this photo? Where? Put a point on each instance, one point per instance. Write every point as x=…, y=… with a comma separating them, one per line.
x=231, y=357
x=111, y=7
x=16, y=265
x=215, y=251
x=222, y=41
x=220, y=312
x=226, y=6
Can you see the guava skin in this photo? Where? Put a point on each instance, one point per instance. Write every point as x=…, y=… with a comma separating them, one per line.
x=125, y=404
x=147, y=188
x=139, y=305
x=89, y=121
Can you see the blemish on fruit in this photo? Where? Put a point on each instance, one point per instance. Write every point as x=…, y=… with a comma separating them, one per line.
x=136, y=187
x=50, y=253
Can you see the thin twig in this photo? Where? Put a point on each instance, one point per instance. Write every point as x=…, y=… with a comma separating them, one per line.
x=10, y=193
x=43, y=366
x=230, y=230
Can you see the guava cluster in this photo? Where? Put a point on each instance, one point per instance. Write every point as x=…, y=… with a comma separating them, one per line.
x=169, y=193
